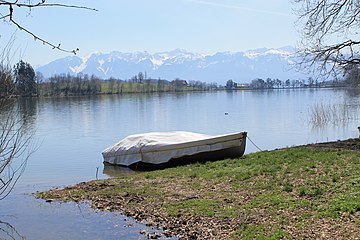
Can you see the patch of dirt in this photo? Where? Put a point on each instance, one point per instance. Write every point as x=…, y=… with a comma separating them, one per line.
x=350, y=144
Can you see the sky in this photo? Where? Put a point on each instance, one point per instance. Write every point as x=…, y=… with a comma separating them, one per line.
x=202, y=26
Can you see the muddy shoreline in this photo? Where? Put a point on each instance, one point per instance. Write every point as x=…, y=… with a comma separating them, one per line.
x=154, y=204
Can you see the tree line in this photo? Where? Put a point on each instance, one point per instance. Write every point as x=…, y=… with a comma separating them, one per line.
x=351, y=79
x=259, y=83
x=269, y=83
x=20, y=80
x=23, y=81
x=83, y=84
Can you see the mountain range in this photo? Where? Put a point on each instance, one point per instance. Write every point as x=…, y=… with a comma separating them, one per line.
x=241, y=67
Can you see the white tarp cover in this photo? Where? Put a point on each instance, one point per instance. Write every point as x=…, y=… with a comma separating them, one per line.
x=160, y=147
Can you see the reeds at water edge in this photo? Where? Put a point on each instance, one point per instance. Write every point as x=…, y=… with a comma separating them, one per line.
x=322, y=114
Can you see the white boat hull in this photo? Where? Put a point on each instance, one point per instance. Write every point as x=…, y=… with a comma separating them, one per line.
x=174, y=148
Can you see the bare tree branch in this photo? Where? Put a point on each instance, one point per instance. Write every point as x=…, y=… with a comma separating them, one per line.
x=29, y=5
x=43, y=4
x=15, y=138
x=15, y=146
x=15, y=135
x=330, y=37
x=43, y=40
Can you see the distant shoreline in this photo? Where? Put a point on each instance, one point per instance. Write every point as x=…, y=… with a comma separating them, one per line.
x=182, y=90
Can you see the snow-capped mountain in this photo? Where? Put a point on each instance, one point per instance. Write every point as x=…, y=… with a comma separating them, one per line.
x=219, y=67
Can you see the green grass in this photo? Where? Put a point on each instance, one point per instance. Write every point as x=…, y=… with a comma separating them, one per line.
x=266, y=192
x=203, y=207
x=252, y=231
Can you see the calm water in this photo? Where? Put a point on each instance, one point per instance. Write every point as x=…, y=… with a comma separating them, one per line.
x=72, y=132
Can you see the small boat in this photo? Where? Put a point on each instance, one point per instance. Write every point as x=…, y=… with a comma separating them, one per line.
x=157, y=150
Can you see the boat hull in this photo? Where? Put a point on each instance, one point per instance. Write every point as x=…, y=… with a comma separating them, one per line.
x=157, y=155
x=234, y=152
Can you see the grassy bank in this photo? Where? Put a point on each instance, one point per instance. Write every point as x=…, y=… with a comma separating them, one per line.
x=295, y=193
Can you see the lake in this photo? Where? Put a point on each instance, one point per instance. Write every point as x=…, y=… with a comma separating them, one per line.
x=72, y=132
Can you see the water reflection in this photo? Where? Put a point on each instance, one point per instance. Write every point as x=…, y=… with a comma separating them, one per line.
x=31, y=218
x=27, y=108
x=15, y=142
x=338, y=112
x=22, y=111
x=353, y=92
x=117, y=171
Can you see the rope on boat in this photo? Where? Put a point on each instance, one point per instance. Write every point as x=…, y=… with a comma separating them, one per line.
x=253, y=143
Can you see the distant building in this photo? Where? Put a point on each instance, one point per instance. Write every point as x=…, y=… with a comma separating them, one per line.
x=178, y=82
x=242, y=85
